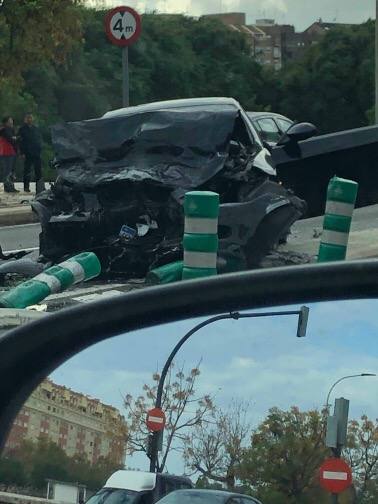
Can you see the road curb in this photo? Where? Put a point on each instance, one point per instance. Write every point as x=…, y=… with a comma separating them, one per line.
x=13, y=216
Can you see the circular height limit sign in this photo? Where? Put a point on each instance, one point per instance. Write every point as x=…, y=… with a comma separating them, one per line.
x=123, y=26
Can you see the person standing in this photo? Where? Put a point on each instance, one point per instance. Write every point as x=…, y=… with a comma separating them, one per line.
x=8, y=153
x=30, y=141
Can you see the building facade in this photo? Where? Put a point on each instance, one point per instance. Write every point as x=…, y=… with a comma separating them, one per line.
x=272, y=44
x=77, y=423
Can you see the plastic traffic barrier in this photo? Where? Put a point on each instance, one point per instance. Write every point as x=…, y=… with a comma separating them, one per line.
x=341, y=199
x=201, y=234
x=80, y=268
x=168, y=273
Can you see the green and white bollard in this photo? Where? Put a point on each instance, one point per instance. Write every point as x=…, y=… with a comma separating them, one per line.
x=77, y=269
x=201, y=234
x=341, y=199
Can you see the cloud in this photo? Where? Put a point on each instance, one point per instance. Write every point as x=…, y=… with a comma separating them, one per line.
x=279, y=5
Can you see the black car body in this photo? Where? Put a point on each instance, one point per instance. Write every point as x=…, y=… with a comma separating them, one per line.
x=130, y=170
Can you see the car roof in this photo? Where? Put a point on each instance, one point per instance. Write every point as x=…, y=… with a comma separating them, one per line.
x=137, y=481
x=225, y=493
x=256, y=115
x=172, y=104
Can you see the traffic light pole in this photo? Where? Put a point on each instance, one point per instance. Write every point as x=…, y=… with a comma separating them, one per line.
x=302, y=314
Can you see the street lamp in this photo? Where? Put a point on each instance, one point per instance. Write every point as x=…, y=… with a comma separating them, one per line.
x=302, y=314
x=345, y=378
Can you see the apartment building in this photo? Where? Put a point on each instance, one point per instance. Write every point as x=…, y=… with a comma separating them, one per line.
x=77, y=423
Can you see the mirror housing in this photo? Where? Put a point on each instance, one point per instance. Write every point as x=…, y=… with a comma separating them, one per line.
x=299, y=132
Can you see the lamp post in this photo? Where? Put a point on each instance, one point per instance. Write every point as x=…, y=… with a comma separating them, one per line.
x=302, y=314
x=344, y=378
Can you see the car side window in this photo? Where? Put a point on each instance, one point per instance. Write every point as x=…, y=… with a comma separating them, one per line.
x=283, y=124
x=234, y=500
x=269, y=130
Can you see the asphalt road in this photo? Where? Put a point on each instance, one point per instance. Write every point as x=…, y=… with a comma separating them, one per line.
x=19, y=237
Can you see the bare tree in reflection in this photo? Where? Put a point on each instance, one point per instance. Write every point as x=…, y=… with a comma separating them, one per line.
x=215, y=450
x=183, y=409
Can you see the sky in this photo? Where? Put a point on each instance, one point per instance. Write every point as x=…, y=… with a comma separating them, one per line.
x=260, y=361
x=301, y=13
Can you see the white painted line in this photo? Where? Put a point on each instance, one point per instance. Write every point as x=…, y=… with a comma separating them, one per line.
x=32, y=249
x=98, y=295
x=331, y=475
x=156, y=419
x=21, y=225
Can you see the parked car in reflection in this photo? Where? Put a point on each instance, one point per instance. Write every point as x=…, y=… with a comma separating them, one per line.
x=270, y=126
x=138, y=487
x=206, y=497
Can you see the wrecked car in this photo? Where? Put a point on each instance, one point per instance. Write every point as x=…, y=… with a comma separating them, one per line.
x=121, y=181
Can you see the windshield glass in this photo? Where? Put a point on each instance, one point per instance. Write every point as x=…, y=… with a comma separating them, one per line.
x=191, y=497
x=114, y=496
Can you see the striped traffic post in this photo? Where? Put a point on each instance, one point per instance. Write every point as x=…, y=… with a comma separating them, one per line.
x=77, y=269
x=341, y=199
x=200, y=234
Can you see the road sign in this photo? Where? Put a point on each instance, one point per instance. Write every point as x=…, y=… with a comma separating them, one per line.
x=123, y=26
x=335, y=475
x=155, y=420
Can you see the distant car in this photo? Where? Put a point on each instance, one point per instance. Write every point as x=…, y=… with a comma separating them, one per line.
x=138, y=487
x=269, y=126
x=206, y=497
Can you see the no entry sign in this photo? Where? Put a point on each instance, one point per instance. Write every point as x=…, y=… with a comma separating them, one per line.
x=123, y=26
x=335, y=475
x=155, y=420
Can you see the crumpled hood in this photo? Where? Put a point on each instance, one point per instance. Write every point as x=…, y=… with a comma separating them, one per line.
x=175, y=148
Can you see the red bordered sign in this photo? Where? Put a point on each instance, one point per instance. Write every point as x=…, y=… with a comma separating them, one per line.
x=123, y=26
x=155, y=420
x=335, y=475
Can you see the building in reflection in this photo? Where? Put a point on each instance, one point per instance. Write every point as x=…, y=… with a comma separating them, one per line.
x=77, y=423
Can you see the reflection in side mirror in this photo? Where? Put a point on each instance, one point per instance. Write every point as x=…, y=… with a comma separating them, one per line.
x=298, y=132
x=240, y=372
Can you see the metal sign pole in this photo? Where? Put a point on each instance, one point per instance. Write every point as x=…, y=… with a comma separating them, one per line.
x=125, y=77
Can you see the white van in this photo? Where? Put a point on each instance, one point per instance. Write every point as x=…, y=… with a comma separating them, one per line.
x=138, y=487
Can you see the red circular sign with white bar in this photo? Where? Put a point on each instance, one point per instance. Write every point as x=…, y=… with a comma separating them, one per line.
x=123, y=26
x=155, y=420
x=335, y=475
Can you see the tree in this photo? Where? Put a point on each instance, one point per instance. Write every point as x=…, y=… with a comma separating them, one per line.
x=35, y=30
x=32, y=462
x=12, y=472
x=286, y=451
x=333, y=85
x=178, y=398
x=362, y=452
x=215, y=449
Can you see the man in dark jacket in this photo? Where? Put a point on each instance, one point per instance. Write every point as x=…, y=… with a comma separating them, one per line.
x=30, y=147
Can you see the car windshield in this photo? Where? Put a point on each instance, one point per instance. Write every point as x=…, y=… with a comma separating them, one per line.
x=191, y=497
x=115, y=496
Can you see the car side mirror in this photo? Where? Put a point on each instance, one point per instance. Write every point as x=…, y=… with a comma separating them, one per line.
x=298, y=132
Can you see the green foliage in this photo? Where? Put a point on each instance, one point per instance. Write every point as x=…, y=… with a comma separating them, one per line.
x=286, y=451
x=32, y=463
x=35, y=30
x=333, y=86
x=69, y=71
x=12, y=472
